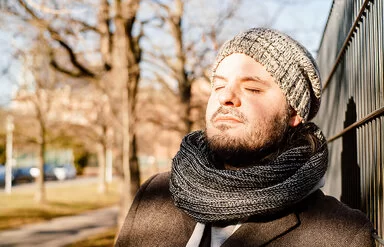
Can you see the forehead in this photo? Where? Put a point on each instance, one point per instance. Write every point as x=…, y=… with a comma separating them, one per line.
x=238, y=64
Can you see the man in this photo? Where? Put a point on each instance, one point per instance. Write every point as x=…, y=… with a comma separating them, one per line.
x=252, y=178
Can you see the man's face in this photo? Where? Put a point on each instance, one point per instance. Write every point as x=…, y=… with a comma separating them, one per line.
x=246, y=109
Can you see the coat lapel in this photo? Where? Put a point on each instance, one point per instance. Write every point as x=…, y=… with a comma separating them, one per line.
x=257, y=233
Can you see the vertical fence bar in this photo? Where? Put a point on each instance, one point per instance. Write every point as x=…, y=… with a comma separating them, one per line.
x=371, y=107
x=380, y=8
x=376, y=136
x=380, y=229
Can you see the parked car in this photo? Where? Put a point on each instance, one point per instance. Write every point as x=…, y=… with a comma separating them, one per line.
x=56, y=172
x=2, y=175
x=23, y=174
x=49, y=173
x=66, y=171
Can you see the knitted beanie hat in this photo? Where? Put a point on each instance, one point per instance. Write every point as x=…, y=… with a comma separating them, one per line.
x=292, y=66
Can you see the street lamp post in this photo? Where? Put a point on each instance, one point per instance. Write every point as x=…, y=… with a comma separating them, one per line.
x=8, y=166
x=108, y=163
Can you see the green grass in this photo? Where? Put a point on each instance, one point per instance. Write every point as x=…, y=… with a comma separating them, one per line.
x=19, y=207
x=105, y=239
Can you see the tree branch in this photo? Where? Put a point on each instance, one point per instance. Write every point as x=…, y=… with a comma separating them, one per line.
x=161, y=122
x=85, y=26
x=166, y=85
x=56, y=36
x=52, y=11
x=167, y=70
x=162, y=5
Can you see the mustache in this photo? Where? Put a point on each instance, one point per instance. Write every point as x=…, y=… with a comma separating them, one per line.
x=230, y=111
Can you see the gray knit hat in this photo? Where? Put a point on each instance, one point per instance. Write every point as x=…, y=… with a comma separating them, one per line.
x=292, y=66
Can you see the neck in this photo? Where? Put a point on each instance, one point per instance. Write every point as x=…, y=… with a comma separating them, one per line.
x=245, y=158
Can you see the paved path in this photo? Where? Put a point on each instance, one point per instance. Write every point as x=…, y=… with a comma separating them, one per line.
x=60, y=231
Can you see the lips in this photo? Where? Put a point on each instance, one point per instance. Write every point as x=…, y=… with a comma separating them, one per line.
x=227, y=119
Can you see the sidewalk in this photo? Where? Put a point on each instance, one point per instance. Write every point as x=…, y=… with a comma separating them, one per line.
x=60, y=231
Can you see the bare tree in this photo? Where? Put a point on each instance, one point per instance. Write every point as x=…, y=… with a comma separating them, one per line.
x=117, y=73
x=39, y=98
x=87, y=120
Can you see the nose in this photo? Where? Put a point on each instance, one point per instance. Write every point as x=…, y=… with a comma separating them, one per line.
x=229, y=97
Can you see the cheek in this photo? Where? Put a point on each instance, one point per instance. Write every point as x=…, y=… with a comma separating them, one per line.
x=263, y=111
x=211, y=108
x=271, y=103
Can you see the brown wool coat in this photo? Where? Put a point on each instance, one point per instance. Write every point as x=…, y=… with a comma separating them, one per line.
x=319, y=220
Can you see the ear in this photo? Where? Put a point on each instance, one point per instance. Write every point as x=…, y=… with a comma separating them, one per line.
x=295, y=119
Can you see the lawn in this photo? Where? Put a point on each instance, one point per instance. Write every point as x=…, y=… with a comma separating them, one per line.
x=19, y=207
x=105, y=239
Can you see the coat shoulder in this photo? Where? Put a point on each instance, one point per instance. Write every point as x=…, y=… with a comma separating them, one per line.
x=157, y=184
x=328, y=207
x=153, y=219
x=336, y=222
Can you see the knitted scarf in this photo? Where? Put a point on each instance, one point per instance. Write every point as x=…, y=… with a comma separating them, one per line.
x=209, y=194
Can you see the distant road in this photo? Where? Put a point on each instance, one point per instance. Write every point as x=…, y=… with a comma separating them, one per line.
x=54, y=183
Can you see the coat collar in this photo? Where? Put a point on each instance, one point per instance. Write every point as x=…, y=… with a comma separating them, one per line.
x=261, y=233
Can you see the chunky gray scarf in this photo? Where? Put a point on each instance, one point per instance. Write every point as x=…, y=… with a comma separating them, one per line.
x=209, y=194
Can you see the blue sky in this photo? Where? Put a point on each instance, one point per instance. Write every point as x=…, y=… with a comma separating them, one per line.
x=5, y=83
x=304, y=22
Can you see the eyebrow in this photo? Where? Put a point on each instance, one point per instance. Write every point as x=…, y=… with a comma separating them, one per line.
x=242, y=79
x=216, y=76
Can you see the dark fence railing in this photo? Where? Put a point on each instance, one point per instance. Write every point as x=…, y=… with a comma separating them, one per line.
x=351, y=61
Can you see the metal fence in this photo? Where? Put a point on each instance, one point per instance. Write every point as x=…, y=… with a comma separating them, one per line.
x=351, y=60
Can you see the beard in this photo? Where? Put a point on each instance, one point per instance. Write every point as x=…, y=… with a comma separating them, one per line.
x=259, y=145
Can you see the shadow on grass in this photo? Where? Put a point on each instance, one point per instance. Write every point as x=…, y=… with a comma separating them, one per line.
x=52, y=209
x=78, y=206
x=19, y=217
x=105, y=239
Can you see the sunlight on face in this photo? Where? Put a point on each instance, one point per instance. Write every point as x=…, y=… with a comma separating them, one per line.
x=246, y=109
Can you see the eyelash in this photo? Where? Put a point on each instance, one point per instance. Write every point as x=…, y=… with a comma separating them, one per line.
x=218, y=87
x=253, y=90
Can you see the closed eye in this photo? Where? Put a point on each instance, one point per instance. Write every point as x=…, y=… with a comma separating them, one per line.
x=253, y=90
x=218, y=84
x=216, y=88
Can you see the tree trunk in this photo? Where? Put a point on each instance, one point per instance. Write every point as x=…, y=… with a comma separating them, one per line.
x=125, y=59
x=105, y=34
x=126, y=196
x=134, y=167
x=40, y=195
x=184, y=83
x=102, y=189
